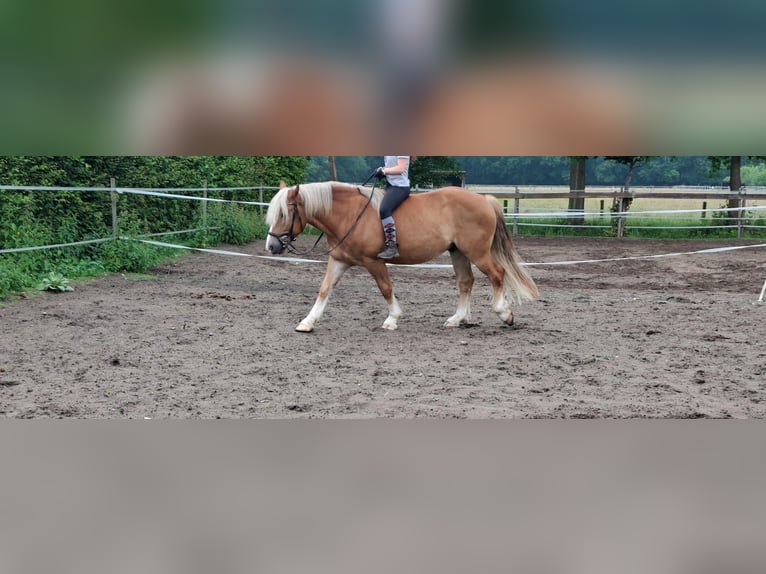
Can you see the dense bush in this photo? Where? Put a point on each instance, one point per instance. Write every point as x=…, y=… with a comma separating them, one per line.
x=229, y=223
x=36, y=218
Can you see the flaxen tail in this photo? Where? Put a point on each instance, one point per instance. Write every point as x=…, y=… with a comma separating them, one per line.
x=519, y=285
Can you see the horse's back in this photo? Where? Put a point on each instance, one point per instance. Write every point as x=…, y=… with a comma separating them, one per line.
x=455, y=203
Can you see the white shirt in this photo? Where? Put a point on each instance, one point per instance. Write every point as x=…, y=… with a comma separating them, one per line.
x=399, y=180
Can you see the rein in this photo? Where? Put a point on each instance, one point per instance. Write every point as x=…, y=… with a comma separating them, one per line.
x=288, y=245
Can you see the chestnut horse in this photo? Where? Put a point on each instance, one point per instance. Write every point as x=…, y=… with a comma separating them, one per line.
x=470, y=226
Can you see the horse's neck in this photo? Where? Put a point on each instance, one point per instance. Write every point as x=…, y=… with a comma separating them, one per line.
x=347, y=205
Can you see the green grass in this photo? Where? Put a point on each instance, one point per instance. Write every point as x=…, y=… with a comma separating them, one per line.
x=20, y=272
x=636, y=227
x=635, y=220
x=594, y=206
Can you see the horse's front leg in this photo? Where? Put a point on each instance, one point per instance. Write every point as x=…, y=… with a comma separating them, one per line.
x=335, y=270
x=379, y=272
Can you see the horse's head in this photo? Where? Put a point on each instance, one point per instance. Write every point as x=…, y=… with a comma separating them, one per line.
x=286, y=218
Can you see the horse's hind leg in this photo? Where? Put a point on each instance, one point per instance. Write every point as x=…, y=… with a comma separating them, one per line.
x=496, y=274
x=464, y=275
x=335, y=270
x=379, y=272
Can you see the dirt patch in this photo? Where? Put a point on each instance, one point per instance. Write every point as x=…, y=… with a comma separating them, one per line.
x=212, y=336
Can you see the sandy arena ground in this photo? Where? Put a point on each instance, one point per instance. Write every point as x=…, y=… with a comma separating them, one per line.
x=209, y=336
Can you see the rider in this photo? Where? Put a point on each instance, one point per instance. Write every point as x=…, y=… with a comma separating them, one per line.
x=396, y=172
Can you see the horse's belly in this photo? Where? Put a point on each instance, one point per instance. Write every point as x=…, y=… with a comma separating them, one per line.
x=421, y=253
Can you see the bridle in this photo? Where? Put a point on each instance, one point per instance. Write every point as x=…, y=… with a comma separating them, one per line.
x=289, y=234
x=288, y=244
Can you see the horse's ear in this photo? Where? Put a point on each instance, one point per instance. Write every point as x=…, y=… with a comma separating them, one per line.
x=282, y=184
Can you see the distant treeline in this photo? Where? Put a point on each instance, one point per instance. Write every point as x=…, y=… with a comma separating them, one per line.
x=542, y=170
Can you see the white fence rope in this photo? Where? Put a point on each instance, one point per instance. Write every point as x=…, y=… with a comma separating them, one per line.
x=39, y=247
x=61, y=188
x=163, y=192
x=50, y=188
x=133, y=191
x=176, y=246
x=449, y=266
x=513, y=217
x=155, y=192
x=628, y=214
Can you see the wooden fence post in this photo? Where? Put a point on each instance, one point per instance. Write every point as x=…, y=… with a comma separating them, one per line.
x=704, y=209
x=621, y=218
x=204, y=207
x=740, y=214
x=115, y=222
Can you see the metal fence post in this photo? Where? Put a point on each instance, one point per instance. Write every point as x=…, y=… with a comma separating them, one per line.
x=260, y=200
x=115, y=222
x=516, y=214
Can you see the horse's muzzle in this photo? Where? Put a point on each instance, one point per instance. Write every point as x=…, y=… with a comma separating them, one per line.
x=277, y=243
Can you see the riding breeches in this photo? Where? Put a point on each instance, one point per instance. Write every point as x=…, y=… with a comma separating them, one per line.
x=393, y=199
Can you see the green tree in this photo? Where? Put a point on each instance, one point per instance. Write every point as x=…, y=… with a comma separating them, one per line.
x=754, y=174
x=435, y=171
x=630, y=162
x=734, y=165
x=577, y=165
x=623, y=204
x=352, y=169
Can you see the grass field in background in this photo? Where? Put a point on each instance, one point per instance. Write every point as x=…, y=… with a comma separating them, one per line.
x=598, y=222
x=593, y=205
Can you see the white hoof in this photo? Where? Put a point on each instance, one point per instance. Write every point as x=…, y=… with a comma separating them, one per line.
x=390, y=326
x=304, y=328
x=458, y=320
